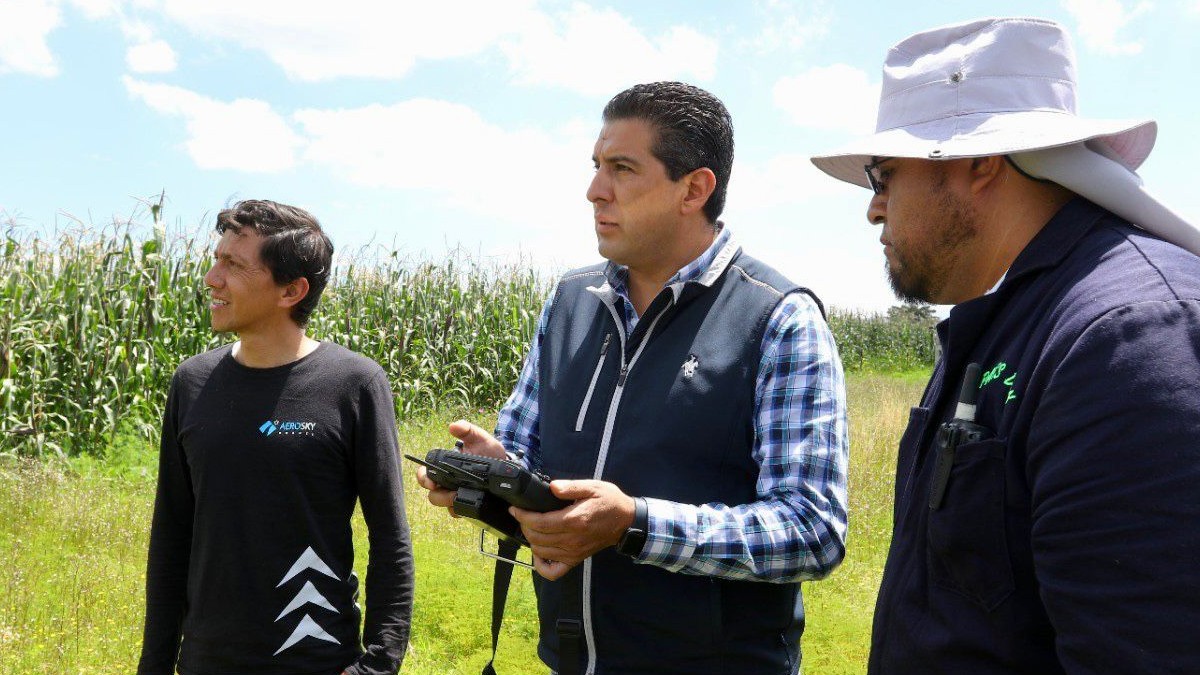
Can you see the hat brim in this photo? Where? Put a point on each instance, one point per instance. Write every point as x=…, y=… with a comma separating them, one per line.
x=1102, y=179
x=984, y=134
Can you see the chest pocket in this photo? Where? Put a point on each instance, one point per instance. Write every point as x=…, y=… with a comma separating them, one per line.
x=968, y=548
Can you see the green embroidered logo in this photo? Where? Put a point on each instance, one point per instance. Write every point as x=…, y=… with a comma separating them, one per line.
x=997, y=371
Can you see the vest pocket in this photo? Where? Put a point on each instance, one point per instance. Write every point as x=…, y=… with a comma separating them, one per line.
x=587, y=399
x=906, y=458
x=968, y=548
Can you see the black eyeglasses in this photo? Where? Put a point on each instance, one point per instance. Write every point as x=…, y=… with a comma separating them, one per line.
x=874, y=178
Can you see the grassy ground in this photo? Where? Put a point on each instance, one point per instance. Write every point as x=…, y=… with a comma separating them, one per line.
x=73, y=542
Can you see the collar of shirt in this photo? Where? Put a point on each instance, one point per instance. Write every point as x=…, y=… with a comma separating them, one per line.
x=618, y=275
x=997, y=284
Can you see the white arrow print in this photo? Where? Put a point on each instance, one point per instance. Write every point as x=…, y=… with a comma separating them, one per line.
x=307, y=628
x=306, y=595
x=307, y=560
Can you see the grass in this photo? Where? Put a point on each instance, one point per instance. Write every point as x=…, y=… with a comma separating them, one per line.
x=73, y=536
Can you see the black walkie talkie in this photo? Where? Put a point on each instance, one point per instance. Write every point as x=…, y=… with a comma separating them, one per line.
x=961, y=429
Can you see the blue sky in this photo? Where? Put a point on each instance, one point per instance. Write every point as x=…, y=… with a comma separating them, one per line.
x=429, y=125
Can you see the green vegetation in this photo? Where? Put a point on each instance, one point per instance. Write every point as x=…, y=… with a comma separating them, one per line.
x=94, y=324
x=73, y=536
x=901, y=341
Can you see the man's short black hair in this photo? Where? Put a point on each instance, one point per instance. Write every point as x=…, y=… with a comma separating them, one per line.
x=694, y=131
x=294, y=246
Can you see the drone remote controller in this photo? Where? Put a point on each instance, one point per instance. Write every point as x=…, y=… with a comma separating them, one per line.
x=487, y=486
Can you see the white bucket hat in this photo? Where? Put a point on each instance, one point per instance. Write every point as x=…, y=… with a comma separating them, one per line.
x=987, y=87
x=1007, y=87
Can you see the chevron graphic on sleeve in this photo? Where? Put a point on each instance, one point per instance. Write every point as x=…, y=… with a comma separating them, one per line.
x=306, y=595
x=307, y=560
x=307, y=628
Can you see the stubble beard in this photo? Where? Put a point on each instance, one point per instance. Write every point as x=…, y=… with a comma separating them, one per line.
x=921, y=273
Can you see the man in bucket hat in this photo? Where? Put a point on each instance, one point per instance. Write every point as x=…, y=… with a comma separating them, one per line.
x=1047, y=514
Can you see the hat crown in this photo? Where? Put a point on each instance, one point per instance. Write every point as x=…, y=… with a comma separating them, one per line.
x=982, y=67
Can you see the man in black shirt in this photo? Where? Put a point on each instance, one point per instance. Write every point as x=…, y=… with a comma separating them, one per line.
x=266, y=445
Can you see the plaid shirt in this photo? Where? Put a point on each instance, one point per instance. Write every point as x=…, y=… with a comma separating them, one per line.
x=796, y=529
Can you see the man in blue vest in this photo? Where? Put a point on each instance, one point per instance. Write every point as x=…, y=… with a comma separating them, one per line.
x=1047, y=514
x=690, y=402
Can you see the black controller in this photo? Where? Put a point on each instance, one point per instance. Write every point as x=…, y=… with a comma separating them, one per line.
x=487, y=486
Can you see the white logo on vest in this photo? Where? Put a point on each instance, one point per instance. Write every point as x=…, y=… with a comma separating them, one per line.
x=690, y=366
x=309, y=560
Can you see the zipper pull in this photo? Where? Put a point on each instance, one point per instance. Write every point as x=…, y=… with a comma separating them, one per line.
x=604, y=347
x=621, y=377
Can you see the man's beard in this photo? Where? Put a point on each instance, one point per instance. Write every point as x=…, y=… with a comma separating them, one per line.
x=921, y=273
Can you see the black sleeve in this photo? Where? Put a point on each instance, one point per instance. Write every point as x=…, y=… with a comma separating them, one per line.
x=389, y=587
x=1114, y=471
x=170, y=549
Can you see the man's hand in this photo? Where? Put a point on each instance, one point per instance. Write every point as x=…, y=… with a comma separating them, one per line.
x=564, y=538
x=476, y=441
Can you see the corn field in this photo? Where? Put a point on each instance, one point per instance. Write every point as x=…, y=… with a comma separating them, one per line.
x=870, y=342
x=93, y=324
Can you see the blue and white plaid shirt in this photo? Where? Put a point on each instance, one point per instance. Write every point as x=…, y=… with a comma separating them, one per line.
x=796, y=529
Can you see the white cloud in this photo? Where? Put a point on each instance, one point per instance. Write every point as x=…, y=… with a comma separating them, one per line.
x=155, y=56
x=1101, y=20
x=245, y=135
x=97, y=9
x=582, y=49
x=525, y=176
x=575, y=47
x=598, y=52
x=314, y=40
x=783, y=180
x=791, y=24
x=24, y=26
x=831, y=98
x=535, y=178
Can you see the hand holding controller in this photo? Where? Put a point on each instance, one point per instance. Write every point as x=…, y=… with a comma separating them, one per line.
x=486, y=486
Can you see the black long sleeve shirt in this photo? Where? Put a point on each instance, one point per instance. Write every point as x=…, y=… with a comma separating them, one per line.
x=251, y=558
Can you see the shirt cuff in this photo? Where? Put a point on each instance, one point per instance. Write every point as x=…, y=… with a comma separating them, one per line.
x=670, y=534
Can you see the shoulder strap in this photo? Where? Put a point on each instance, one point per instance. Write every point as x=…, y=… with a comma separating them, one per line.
x=501, y=579
x=569, y=625
x=570, y=622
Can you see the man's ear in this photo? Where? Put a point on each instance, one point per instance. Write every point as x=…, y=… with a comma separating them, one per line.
x=700, y=185
x=985, y=172
x=294, y=292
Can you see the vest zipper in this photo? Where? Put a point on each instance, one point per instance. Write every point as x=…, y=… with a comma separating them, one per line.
x=592, y=386
x=609, y=422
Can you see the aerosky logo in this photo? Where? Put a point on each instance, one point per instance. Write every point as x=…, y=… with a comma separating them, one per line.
x=287, y=428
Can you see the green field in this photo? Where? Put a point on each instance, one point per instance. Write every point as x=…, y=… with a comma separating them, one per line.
x=73, y=538
x=95, y=322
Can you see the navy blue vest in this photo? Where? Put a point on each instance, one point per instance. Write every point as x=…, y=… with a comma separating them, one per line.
x=675, y=423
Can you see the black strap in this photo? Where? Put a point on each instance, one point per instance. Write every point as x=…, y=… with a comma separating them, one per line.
x=570, y=622
x=569, y=625
x=506, y=548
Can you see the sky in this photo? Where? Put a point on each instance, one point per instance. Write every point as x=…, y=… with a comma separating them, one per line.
x=452, y=127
